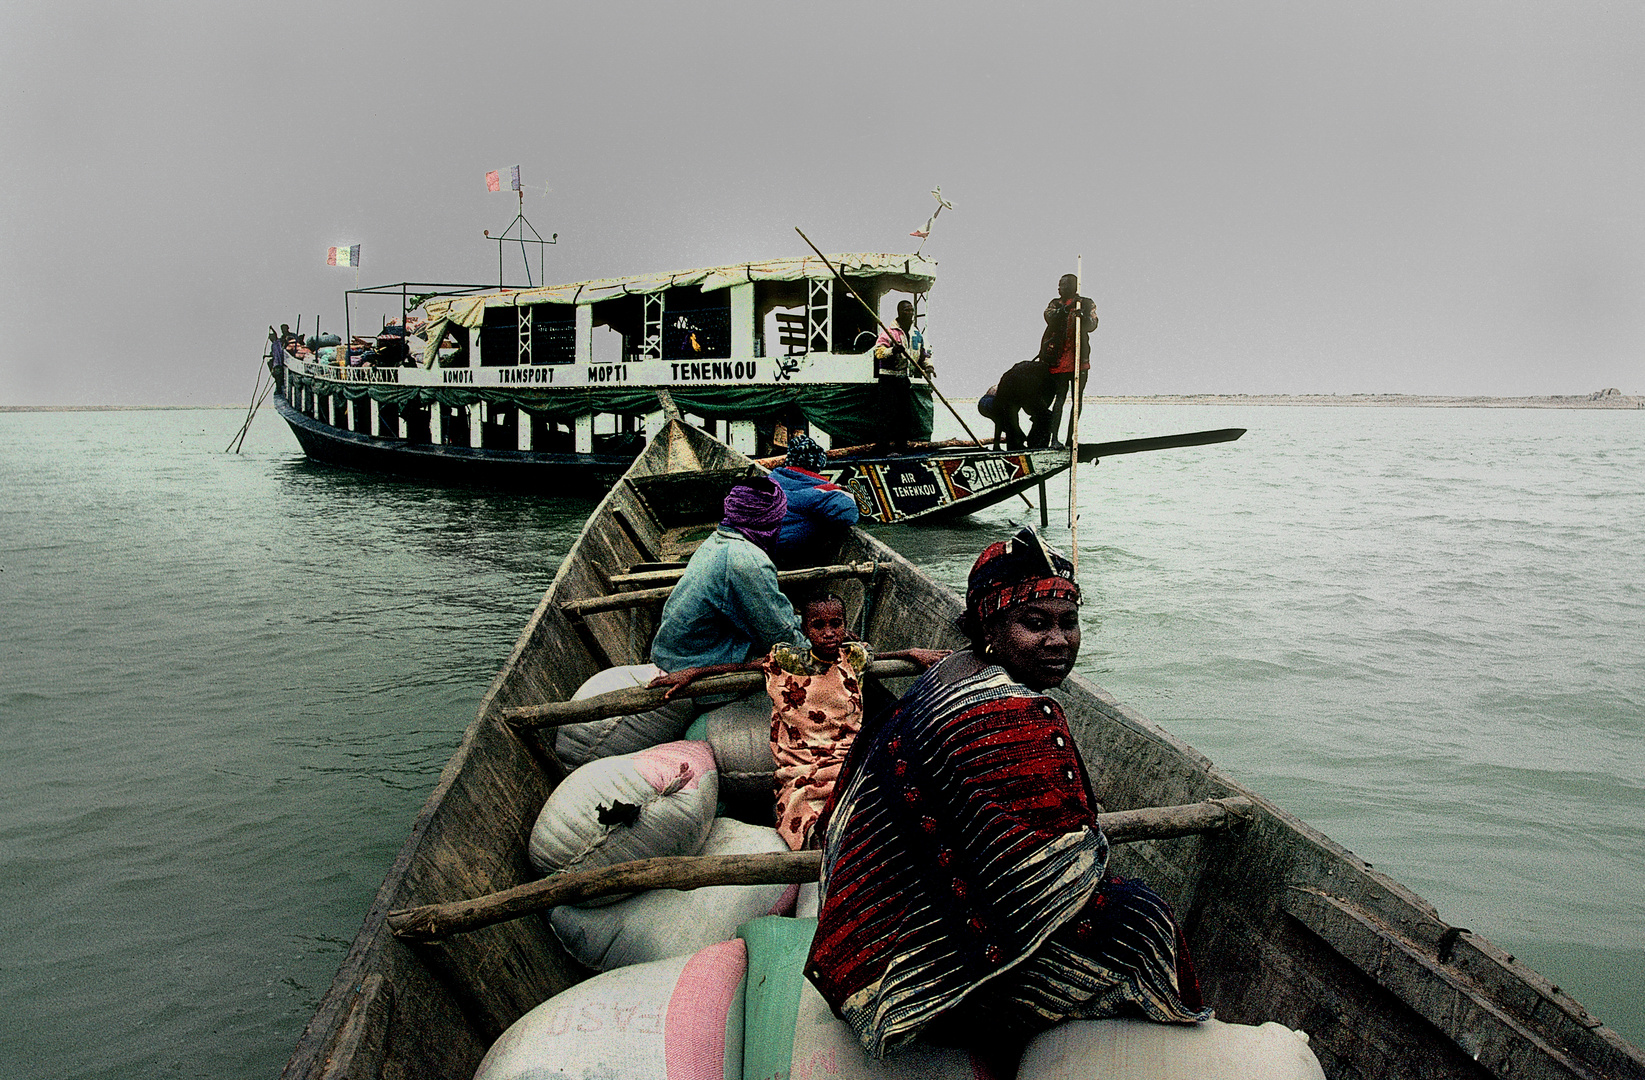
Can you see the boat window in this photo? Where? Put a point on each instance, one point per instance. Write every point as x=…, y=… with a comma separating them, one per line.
x=696, y=325
x=552, y=335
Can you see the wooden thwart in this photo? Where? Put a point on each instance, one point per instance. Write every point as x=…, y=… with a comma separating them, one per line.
x=641, y=597
x=433, y=922
x=642, y=698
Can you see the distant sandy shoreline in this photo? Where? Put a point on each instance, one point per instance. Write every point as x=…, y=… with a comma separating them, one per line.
x=1605, y=399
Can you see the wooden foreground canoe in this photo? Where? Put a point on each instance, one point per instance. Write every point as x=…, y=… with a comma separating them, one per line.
x=1285, y=925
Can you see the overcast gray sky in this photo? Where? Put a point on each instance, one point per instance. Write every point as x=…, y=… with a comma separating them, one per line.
x=1431, y=197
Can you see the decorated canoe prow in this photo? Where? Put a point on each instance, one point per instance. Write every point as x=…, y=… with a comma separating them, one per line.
x=1284, y=925
x=942, y=480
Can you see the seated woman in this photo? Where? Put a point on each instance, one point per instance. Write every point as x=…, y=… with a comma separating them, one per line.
x=965, y=884
x=816, y=709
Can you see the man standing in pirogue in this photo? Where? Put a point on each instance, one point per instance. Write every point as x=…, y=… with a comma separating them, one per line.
x=1069, y=320
x=897, y=351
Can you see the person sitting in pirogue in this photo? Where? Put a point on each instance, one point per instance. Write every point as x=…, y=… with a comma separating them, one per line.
x=966, y=898
x=726, y=606
x=816, y=708
x=820, y=512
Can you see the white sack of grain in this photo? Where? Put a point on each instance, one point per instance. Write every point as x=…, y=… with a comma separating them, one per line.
x=643, y=805
x=1140, y=1050
x=673, y=922
x=676, y=1019
x=577, y=744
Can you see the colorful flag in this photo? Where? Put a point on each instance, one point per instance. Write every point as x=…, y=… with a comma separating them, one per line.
x=514, y=182
x=343, y=256
x=494, y=181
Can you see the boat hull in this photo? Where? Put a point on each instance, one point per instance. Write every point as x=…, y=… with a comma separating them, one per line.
x=558, y=473
x=941, y=485
x=902, y=489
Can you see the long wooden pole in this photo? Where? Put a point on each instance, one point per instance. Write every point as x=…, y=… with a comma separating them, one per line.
x=637, y=699
x=1074, y=421
x=921, y=367
x=433, y=922
x=640, y=597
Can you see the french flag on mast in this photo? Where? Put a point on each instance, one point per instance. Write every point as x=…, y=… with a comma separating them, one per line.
x=494, y=179
x=343, y=255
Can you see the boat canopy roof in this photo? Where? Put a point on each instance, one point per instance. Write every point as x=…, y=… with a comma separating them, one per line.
x=906, y=273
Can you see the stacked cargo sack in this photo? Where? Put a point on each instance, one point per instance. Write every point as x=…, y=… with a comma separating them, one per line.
x=652, y=803
x=675, y=1019
x=671, y=922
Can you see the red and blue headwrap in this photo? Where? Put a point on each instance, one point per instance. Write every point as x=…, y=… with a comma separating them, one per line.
x=1016, y=571
x=805, y=453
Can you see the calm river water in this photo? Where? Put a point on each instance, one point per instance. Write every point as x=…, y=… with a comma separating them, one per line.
x=229, y=681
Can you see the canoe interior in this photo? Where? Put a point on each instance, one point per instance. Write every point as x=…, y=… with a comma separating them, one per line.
x=1284, y=924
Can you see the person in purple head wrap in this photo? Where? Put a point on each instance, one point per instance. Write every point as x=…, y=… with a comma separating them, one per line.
x=726, y=609
x=756, y=509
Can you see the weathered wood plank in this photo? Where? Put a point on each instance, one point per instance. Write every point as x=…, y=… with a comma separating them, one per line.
x=439, y=921
x=637, y=699
x=641, y=597
x=1480, y=1028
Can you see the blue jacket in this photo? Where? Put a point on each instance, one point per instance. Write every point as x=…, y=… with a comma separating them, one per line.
x=726, y=609
x=818, y=509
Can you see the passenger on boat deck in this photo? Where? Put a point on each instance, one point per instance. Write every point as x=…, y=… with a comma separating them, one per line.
x=966, y=897
x=820, y=512
x=897, y=351
x=1066, y=312
x=816, y=708
x=725, y=609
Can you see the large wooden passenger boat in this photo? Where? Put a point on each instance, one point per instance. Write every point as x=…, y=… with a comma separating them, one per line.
x=1285, y=925
x=556, y=387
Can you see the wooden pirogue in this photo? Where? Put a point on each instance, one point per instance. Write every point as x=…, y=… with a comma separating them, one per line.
x=1285, y=925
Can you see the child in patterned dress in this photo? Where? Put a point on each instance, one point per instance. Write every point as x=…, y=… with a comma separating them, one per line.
x=816, y=709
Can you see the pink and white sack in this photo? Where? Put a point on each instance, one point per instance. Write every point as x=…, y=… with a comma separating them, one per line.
x=676, y=1019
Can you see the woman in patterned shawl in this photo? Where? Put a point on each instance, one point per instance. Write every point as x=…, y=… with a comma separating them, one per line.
x=966, y=892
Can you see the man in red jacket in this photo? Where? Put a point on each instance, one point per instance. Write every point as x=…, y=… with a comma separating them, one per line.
x=1069, y=320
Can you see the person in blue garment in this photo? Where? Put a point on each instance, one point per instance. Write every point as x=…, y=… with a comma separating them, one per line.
x=726, y=608
x=819, y=511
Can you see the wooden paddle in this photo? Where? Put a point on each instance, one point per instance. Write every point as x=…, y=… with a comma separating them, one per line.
x=1093, y=451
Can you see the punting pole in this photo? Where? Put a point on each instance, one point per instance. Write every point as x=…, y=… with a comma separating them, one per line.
x=1074, y=422
x=877, y=322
